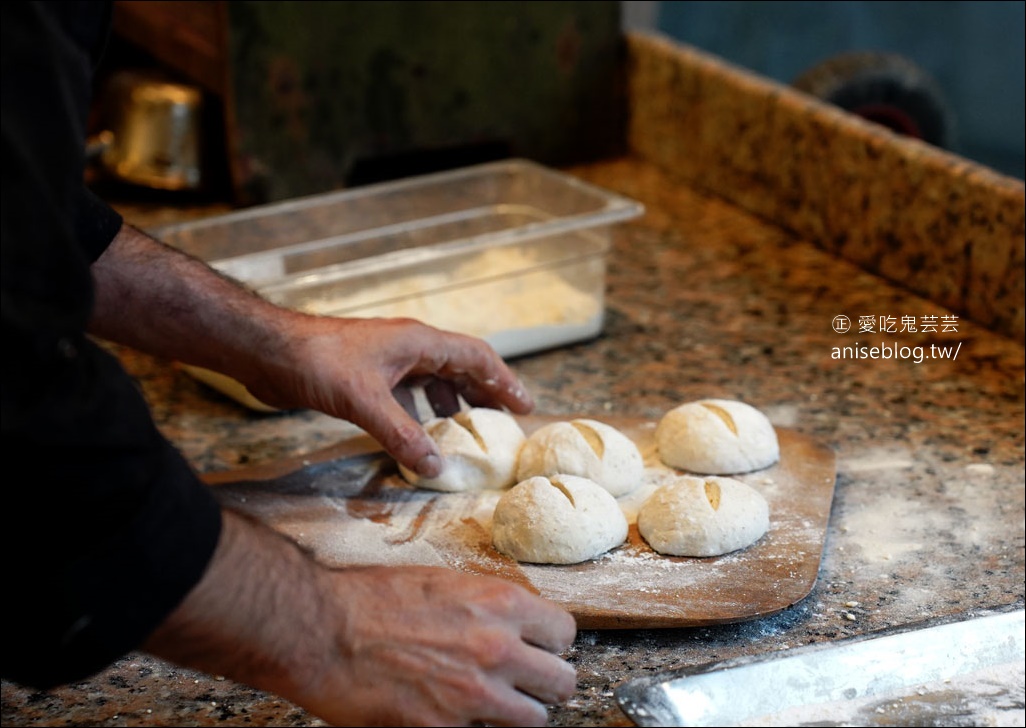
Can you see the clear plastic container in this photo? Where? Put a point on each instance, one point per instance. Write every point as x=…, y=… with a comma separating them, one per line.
x=510, y=251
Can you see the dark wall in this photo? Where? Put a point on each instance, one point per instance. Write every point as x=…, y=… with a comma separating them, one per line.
x=973, y=50
x=326, y=95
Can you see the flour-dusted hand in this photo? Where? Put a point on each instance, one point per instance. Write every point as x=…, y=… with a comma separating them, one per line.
x=371, y=645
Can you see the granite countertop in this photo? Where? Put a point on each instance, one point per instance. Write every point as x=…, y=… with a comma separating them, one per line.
x=704, y=299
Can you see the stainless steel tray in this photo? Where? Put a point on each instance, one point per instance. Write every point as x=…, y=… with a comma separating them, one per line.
x=941, y=672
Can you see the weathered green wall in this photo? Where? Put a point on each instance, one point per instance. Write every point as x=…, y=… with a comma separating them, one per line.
x=318, y=87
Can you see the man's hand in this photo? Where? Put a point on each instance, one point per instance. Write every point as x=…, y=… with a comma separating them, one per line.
x=371, y=646
x=360, y=370
x=169, y=304
x=438, y=647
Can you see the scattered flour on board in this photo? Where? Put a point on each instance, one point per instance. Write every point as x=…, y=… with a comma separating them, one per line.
x=453, y=529
x=359, y=543
x=364, y=513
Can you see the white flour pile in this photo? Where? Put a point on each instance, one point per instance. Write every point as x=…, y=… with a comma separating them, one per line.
x=502, y=293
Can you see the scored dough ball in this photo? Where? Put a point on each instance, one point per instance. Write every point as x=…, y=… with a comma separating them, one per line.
x=587, y=448
x=708, y=516
x=717, y=437
x=563, y=519
x=479, y=449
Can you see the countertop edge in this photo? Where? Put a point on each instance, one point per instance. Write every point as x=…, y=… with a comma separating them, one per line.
x=942, y=226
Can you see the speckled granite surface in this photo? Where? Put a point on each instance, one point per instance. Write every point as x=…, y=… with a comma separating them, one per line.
x=706, y=298
x=942, y=226
x=703, y=300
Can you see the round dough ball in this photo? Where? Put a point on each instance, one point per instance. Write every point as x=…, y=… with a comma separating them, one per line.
x=708, y=516
x=587, y=448
x=717, y=437
x=479, y=449
x=563, y=519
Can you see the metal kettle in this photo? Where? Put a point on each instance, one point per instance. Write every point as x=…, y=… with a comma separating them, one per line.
x=153, y=134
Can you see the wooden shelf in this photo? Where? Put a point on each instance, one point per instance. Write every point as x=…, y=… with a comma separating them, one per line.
x=189, y=38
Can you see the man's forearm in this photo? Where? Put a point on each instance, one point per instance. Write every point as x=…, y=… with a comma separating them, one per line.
x=159, y=300
x=256, y=615
x=372, y=645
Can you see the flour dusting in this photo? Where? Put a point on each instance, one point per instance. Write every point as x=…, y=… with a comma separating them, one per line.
x=361, y=512
x=989, y=696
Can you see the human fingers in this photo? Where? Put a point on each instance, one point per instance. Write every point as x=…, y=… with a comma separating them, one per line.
x=544, y=676
x=394, y=425
x=444, y=396
x=476, y=395
x=545, y=630
x=507, y=706
x=546, y=625
x=523, y=679
x=431, y=646
x=474, y=368
x=519, y=675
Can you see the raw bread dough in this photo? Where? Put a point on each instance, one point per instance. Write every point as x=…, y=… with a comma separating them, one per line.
x=708, y=516
x=227, y=385
x=479, y=449
x=564, y=519
x=717, y=437
x=587, y=448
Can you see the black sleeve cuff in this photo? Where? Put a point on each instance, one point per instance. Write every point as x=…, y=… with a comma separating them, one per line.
x=140, y=575
x=96, y=224
x=106, y=527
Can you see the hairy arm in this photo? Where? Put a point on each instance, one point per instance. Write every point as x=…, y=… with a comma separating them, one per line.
x=374, y=645
x=159, y=300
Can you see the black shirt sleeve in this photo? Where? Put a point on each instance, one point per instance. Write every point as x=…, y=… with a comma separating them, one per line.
x=106, y=527
x=96, y=223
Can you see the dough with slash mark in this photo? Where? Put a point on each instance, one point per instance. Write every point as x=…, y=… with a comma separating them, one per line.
x=479, y=449
x=562, y=519
x=717, y=437
x=710, y=516
x=587, y=448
